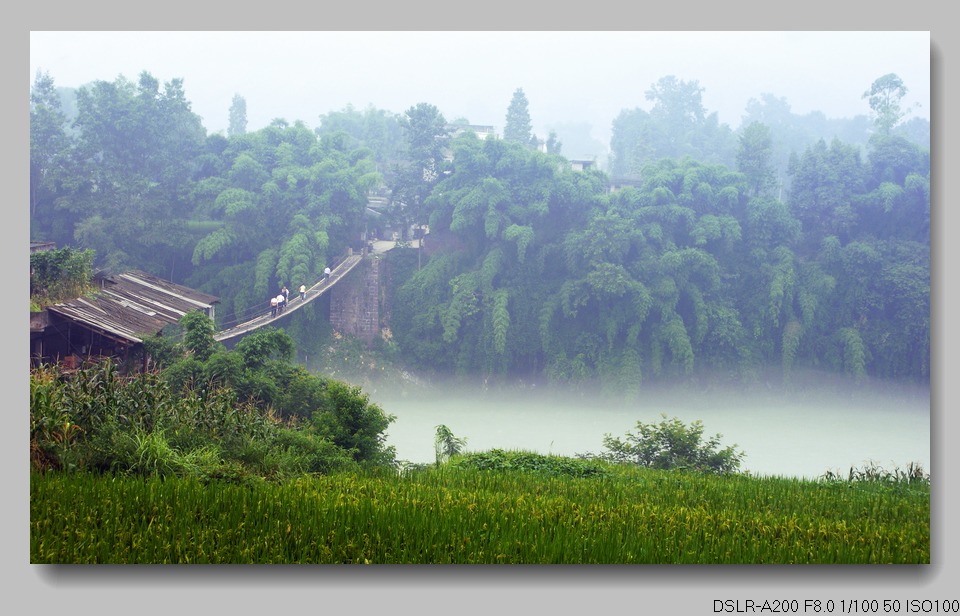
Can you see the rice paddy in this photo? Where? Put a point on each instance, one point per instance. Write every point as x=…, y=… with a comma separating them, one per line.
x=587, y=512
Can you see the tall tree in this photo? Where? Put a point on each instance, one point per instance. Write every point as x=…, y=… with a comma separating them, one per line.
x=426, y=132
x=238, y=116
x=754, y=158
x=48, y=147
x=678, y=107
x=373, y=128
x=518, y=127
x=675, y=127
x=884, y=97
x=824, y=181
x=138, y=143
x=553, y=143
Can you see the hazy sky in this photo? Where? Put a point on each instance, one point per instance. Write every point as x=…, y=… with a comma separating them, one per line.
x=567, y=76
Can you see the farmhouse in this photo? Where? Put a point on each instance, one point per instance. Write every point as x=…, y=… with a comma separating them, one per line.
x=128, y=308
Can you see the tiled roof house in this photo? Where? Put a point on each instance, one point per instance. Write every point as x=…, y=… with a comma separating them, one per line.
x=128, y=308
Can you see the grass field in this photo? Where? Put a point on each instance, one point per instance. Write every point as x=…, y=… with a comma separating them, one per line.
x=495, y=507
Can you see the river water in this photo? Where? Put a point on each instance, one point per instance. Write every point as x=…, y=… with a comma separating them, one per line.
x=801, y=433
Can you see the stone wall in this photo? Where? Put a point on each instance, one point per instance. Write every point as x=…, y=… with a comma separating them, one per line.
x=355, y=301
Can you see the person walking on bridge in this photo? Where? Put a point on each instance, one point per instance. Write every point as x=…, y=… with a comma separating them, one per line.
x=273, y=306
x=326, y=273
x=303, y=292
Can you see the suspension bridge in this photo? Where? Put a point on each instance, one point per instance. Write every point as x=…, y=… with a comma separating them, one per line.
x=293, y=304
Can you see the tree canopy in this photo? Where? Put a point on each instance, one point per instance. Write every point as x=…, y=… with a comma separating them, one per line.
x=725, y=253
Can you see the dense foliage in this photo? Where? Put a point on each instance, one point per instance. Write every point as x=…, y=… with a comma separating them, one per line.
x=697, y=270
x=726, y=254
x=135, y=177
x=530, y=462
x=60, y=274
x=97, y=420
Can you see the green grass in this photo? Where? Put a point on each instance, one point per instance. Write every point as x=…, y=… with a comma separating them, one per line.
x=518, y=508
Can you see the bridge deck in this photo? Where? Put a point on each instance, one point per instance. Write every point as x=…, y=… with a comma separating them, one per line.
x=294, y=303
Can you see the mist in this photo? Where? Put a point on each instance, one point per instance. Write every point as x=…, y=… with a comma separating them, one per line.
x=568, y=77
x=817, y=424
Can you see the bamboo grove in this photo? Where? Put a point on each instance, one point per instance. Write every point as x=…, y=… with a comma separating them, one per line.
x=716, y=258
x=686, y=273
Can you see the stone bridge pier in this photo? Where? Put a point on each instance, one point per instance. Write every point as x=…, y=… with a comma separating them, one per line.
x=355, y=302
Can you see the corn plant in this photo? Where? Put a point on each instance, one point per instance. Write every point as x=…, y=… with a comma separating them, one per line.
x=446, y=444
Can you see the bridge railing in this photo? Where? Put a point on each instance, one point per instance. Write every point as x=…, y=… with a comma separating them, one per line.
x=262, y=310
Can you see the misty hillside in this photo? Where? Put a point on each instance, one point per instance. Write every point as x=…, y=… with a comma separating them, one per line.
x=793, y=242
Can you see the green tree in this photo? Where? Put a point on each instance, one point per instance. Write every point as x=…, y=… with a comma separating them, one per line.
x=769, y=223
x=352, y=422
x=672, y=444
x=263, y=346
x=884, y=96
x=238, y=116
x=892, y=158
x=678, y=108
x=679, y=102
x=754, y=158
x=377, y=129
x=676, y=126
x=198, y=330
x=879, y=311
x=684, y=128
x=427, y=135
x=824, y=181
x=136, y=146
x=49, y=145
x=518, y=126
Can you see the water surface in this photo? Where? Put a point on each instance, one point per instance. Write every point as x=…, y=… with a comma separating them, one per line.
x=803, y=433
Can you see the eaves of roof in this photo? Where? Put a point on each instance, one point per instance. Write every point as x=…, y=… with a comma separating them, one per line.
x=133, y=305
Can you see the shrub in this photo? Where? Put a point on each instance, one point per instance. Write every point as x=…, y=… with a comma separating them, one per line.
x=351, y=421
x=525, y=461
x=198, y=335
x=671, y=444
x=97, y=419
x=307, y=453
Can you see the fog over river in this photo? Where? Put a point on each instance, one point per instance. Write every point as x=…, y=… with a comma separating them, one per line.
x=801, y=432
